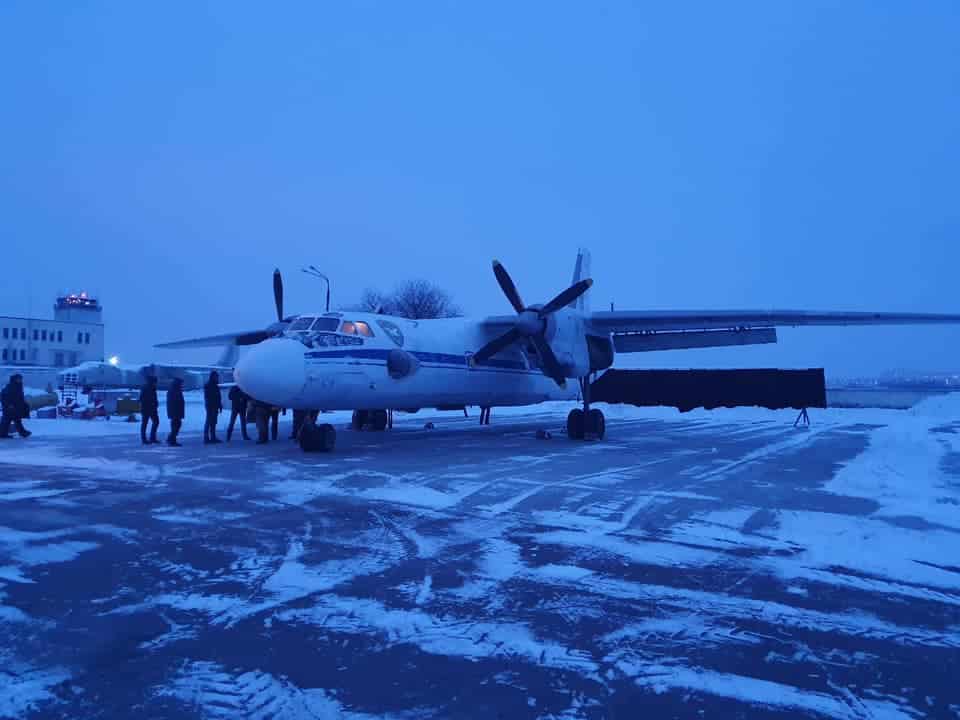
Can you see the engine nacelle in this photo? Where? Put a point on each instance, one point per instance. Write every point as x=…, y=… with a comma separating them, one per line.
x=566, y=333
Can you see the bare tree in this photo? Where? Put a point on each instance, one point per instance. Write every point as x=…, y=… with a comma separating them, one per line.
x=413, y=299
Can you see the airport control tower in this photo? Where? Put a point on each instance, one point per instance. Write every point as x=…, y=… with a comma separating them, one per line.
x=73, y=336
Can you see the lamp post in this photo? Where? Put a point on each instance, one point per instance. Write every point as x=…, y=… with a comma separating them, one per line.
x=316, y=273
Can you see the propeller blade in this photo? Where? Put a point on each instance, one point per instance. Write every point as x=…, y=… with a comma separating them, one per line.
x=509, y=289
x=278, y=293
x=567, y=296
x=495, y=346
x=551, y=365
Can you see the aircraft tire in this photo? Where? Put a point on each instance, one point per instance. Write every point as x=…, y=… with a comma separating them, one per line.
x=318, y=438
x=379, y=420
x=596, y=424
x=359, y=419
x=575, y=424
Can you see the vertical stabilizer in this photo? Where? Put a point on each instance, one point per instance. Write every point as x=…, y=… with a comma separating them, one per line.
x=580, y=271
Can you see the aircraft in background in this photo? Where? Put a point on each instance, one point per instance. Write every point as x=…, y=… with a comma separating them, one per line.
x=368, y=362
x=116, y=376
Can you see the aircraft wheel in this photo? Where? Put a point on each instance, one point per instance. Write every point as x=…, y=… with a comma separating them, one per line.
x=596, y=424
x=318, y=438
x=575, y=423
x=379, y=419
x=359, y=419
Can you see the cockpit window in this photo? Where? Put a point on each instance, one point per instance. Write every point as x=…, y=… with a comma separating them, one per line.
x=326, y=324
x=363, y=329
x=392, y=331
x=301, y=324
x=348, y=328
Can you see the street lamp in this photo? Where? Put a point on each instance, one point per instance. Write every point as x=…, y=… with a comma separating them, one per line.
x=317, y=274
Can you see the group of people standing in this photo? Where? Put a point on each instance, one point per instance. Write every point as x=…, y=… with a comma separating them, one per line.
x=266, y=417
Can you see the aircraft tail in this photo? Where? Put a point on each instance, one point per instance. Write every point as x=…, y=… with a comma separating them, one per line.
x=581, y=270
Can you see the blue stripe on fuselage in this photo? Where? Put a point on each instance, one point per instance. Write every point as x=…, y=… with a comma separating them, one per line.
x=424, y=357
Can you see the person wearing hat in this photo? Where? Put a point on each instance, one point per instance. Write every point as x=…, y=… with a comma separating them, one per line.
x=213, y=405
x=149, y=410
x=175, y=410
x=15, y=408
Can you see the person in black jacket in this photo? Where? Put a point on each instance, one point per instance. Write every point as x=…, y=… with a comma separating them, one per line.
x=15, y=408
x=149, y=406
x=238, y=410
x=176, y=410
x=213, y=405
x=263, y=419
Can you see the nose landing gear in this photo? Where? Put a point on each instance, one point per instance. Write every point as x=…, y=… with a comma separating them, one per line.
x=317, y=438
x=586, y=423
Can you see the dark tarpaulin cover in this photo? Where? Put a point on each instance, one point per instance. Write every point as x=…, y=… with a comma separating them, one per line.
x=709, y=389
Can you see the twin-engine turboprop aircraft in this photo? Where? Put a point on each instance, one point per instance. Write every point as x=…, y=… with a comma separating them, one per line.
x=369, y=362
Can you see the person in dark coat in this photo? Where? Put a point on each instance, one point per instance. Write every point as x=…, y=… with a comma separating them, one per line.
x=176, y=410
x=299, y=416
x=149, y=407
x=238, y=410
x=213, y=405
x=275, y=421
x=263, y=419
x=15, y=408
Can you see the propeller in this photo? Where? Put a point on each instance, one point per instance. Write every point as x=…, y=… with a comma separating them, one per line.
x=531, y=323
x=278, y=293
x=258, y=336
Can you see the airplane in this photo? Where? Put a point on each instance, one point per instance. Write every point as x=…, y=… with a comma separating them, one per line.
x=116, y=376
x=369, y=362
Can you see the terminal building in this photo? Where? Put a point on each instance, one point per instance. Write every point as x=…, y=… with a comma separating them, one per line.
x=73, y=336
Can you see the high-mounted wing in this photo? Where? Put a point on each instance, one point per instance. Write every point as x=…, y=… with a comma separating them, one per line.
x=644, y=331
x=629, y=321
x=248, y=337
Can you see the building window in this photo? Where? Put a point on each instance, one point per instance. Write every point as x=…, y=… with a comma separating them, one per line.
x=59, y=336
x=6, y=333
x=43, y=335
x=4, y=354
x=23, y=333
x=23, y=355
x=58, y=359
x=79, y=338
x=36, y=335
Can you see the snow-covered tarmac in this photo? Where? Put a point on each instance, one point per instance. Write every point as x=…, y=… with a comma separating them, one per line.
x=703, y=565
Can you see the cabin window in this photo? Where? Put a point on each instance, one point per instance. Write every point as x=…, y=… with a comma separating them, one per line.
x=301, y=324
x=363, y=329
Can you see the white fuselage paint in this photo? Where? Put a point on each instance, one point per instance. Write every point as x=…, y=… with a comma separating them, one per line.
x=349, y=372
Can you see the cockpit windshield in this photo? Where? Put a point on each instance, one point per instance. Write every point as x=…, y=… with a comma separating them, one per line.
x=301, y=324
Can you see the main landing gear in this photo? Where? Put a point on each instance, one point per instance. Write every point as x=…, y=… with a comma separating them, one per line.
x=586, y=423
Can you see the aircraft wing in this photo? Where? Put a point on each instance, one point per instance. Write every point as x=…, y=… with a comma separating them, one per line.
x=629, y=321
x=249, y=337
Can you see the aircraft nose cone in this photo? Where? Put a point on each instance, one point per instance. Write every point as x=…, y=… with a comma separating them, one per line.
x=273, y=371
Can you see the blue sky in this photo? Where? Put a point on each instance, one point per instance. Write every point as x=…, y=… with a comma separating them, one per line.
x=712, y=155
